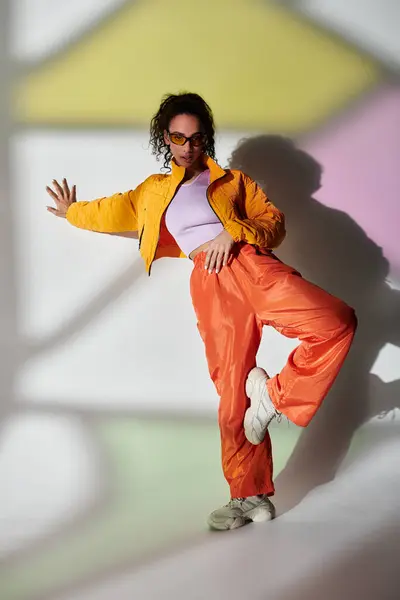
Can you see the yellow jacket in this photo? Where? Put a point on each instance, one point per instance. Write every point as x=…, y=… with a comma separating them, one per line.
x=239, y=203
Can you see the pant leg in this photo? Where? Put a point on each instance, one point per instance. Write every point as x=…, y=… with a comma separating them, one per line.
x=296, y=308
x=231, y=334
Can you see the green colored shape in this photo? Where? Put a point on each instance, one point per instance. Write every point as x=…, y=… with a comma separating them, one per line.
x=163, y=478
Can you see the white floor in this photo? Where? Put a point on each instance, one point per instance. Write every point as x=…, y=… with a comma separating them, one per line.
x=342, y=541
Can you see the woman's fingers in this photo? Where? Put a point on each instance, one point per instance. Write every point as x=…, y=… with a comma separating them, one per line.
x=217, y=256
x=226, y=256
x=59, y=190
x=59, y=200
x=57, y=212
x=63, y=198
x=65, y=188
x=208, y=257
x=62, y=195
x=218, y=262
x=52, y=193
x=211, y=260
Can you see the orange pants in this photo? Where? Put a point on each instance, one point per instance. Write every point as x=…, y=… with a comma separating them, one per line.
x=254, y=290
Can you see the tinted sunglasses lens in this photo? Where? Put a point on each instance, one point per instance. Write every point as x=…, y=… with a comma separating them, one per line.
x=179, y=140
x=197, y=140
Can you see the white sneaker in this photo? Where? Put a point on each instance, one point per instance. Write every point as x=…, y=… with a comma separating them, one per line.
x=261, y=411
x=241, y=511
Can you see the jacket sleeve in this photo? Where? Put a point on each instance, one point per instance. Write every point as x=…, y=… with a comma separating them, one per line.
x=114, y=214
x=258, y=221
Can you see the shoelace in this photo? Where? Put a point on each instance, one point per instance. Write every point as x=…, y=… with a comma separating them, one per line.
x=234, y=502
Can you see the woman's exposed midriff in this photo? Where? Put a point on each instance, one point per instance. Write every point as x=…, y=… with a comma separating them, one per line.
x=197, y=251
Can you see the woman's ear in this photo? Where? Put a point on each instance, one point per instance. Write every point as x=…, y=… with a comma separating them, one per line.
x=166, y=138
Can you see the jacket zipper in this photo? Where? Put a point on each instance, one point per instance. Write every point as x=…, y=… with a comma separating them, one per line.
x=141, y=235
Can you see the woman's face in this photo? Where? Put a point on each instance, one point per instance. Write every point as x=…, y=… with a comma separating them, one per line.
x=187, y=154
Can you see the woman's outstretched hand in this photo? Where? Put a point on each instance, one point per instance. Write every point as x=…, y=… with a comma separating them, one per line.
x=63, y=197
x=218, y=252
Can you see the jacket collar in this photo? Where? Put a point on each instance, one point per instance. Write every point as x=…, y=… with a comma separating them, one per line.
x=216, y=172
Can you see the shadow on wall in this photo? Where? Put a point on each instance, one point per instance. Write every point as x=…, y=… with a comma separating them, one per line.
x=332, y=251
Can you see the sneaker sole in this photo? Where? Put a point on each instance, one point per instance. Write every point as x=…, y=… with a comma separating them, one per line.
x=259, y=514
x=224, y=526
x=262, y=514
x=252, y=411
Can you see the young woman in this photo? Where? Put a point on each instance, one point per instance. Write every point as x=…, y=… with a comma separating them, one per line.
x=224, y=223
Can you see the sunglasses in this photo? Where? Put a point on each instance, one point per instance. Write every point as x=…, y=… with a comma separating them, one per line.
x=197, y=139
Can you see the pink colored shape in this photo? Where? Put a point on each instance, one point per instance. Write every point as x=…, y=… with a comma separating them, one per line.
x=360, y=156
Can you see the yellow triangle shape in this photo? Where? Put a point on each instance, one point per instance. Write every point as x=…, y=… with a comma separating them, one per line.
x=256, y=63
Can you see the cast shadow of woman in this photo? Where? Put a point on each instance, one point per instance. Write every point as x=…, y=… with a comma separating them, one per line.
x=328, y=248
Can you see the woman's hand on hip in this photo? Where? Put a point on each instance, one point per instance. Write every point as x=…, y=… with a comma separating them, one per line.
x=218, y=252
x=63, y=197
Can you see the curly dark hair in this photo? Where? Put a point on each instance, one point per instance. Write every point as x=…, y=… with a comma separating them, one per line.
x=180, y=104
